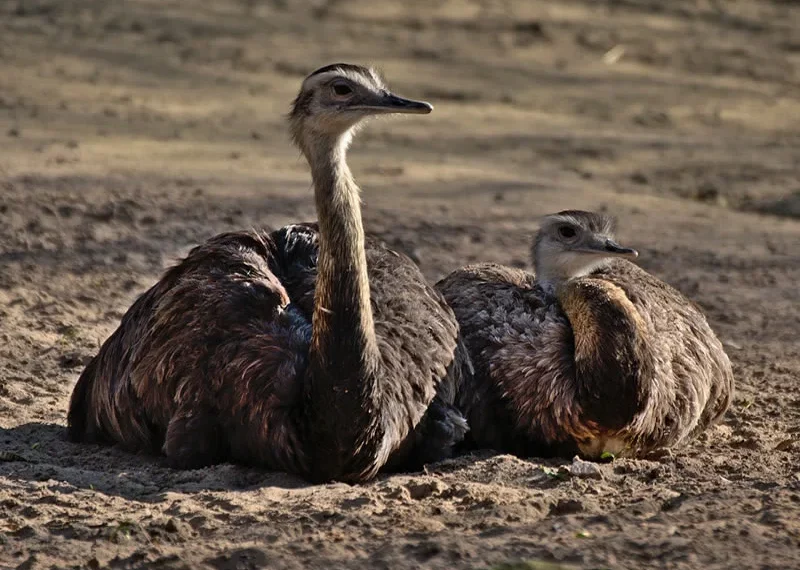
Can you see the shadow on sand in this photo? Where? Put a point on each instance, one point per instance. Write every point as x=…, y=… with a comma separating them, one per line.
x=38, y=452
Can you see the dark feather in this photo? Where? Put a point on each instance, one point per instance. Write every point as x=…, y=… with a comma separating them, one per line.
x=341, y=67
x=210, y=364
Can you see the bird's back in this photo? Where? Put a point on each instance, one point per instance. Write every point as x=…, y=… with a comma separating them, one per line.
x=495, y=304
x=177, y=344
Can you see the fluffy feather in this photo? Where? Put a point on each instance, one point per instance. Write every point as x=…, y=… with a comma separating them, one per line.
x=617, y=361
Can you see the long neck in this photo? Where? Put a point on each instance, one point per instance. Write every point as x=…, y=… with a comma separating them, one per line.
x=344, y=352
x=553, y=269
x=343, y=338
x=613, y=363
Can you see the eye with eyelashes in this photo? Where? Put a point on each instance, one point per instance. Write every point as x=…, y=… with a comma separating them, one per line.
x=567, y=232
x=341, y=89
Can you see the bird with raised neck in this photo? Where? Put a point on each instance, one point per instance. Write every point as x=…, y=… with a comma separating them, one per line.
x=311, y=349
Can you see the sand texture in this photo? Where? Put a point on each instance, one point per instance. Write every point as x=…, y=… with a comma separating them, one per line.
x=130, y=131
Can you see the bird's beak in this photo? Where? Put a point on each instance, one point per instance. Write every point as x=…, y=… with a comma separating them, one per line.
x=399, y=105
x=391, y=103
x=606, y=247
x=613, y=248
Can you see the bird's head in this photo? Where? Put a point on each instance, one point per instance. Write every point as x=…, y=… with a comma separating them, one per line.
x=574, y=243
x=337, y=97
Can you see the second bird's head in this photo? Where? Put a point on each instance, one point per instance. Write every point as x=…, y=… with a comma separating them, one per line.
x=574, y=243
x=337, y=97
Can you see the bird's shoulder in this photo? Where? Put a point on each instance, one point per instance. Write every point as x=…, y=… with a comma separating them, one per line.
x=239, y=253
x=229, y=278
x=648, y=293
x=490, y=288
x=488, y=275
x=492, y=301
x=398, y=286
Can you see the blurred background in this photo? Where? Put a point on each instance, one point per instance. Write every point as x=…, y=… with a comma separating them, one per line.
x=131, y=130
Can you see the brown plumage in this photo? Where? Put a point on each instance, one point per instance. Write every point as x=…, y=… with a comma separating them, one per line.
x=311, y=349
x=591, y=355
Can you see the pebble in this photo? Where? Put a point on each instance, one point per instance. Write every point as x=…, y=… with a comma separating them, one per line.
x=585, y=469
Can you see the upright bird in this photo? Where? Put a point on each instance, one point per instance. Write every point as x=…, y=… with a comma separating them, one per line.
x=312, y=349
x=591, y=355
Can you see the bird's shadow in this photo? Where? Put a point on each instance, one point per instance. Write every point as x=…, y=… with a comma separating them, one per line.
x=38, y=452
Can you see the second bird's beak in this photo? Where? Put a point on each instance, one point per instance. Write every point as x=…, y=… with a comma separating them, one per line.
x=612, y=247
x=391, y=103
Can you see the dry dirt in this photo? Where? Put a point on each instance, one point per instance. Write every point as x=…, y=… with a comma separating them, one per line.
x=131, y=130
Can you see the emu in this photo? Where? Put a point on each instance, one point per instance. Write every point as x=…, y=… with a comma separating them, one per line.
x=312, y=349
x=589, y=355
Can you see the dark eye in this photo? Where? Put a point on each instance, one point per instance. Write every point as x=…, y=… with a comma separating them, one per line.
x=566, y=232
x=341, y=89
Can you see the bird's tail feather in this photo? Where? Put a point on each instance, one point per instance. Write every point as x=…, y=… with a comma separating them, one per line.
x=79, y=405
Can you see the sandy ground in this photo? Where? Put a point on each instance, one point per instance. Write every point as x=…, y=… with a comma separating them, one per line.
x=131, y=130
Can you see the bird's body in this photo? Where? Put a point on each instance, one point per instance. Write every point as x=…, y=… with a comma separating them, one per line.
x=592, y=355
x=310, y=349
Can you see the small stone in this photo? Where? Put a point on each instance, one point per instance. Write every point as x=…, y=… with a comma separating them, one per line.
x=585, y=469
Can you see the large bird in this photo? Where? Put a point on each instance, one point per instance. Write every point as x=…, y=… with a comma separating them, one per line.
x=589, y=355
x=312, y=349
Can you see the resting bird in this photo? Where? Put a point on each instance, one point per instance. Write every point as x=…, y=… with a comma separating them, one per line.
x=311, y=349
x=592, y=355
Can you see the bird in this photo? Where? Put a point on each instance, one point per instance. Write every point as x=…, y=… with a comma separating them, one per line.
x=312, y=349
x=587, y=355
